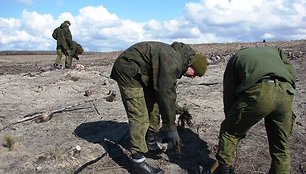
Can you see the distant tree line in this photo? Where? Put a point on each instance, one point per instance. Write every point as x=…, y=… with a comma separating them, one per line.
x=15, y=52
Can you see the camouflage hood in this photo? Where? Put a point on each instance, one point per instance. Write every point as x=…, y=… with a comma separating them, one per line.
x=187, y=54
x=63, y=25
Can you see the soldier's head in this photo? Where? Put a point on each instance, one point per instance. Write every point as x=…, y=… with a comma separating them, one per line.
x=67, y=23
x=198, y=66
x=195, y=64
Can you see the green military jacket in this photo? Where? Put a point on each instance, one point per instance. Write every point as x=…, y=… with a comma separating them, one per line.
x=160, y=65
x=249, y=65
x=63, y=36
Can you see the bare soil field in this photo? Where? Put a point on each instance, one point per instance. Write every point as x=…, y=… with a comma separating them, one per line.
x=86, y=130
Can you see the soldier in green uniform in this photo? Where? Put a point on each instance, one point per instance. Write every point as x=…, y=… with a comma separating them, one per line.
x=259, y=83
x=63, y=37
x=75, y=50
x=147, y=74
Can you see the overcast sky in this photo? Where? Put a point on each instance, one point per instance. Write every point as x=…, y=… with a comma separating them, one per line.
x=109, y=25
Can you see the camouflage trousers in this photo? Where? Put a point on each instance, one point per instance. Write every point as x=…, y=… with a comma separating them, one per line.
x=59, y=55
x=143, y=115
x=271, y=101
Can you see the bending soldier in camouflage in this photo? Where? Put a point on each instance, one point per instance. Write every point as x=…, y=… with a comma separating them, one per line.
x=147, y=74
x=63, y=37
x=259, y=83
x=75, y=50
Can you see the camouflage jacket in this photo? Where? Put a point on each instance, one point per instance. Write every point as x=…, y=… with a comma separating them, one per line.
x=76, y=49
x=63, y=36
x=248, y=66
x=160, y=65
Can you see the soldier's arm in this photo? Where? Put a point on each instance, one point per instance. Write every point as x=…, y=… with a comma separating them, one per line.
x=68, y=37
x=166, y=94
x=230, y=83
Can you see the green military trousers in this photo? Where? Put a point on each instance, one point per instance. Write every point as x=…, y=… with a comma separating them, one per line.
x=68, y=61
x=271, y=101
x=143, y=115
x=59, y=55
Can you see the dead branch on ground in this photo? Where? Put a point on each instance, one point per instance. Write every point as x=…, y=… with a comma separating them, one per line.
x=2, y=92
x=208, y=84
x=126, y=152
x=116, y=144
x=95, y=107
x=32, y=74
x=44, y=116
x=79, y=170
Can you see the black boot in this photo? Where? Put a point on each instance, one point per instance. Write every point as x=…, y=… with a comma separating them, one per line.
x=141, y=167
x=224, y=169
x=152, y=139
x=54, y=66
x=154, y=150
x=145, y=168
x=218, y=168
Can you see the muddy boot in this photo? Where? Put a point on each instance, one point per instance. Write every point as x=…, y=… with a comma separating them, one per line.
x=141, y=167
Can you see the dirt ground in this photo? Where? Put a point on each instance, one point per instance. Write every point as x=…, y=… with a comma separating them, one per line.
x=87, y=114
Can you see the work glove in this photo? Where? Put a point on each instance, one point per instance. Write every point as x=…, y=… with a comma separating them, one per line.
x=170, y=137
x=173, y=137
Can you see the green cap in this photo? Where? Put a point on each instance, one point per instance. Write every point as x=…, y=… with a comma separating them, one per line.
x=199, y=64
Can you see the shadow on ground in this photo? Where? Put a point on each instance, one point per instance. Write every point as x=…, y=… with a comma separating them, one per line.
x=194, y=153
x=114, y=138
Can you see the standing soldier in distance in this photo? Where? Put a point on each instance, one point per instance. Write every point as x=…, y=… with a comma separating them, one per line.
x=147, y=74
x=63, y=37
x=259, y=83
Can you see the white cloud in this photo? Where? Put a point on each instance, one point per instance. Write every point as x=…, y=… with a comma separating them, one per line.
x=97, y=29
x=104, y=30
x=267, y=36
x=36, y=24
x=247, y=20
x=153, y=25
